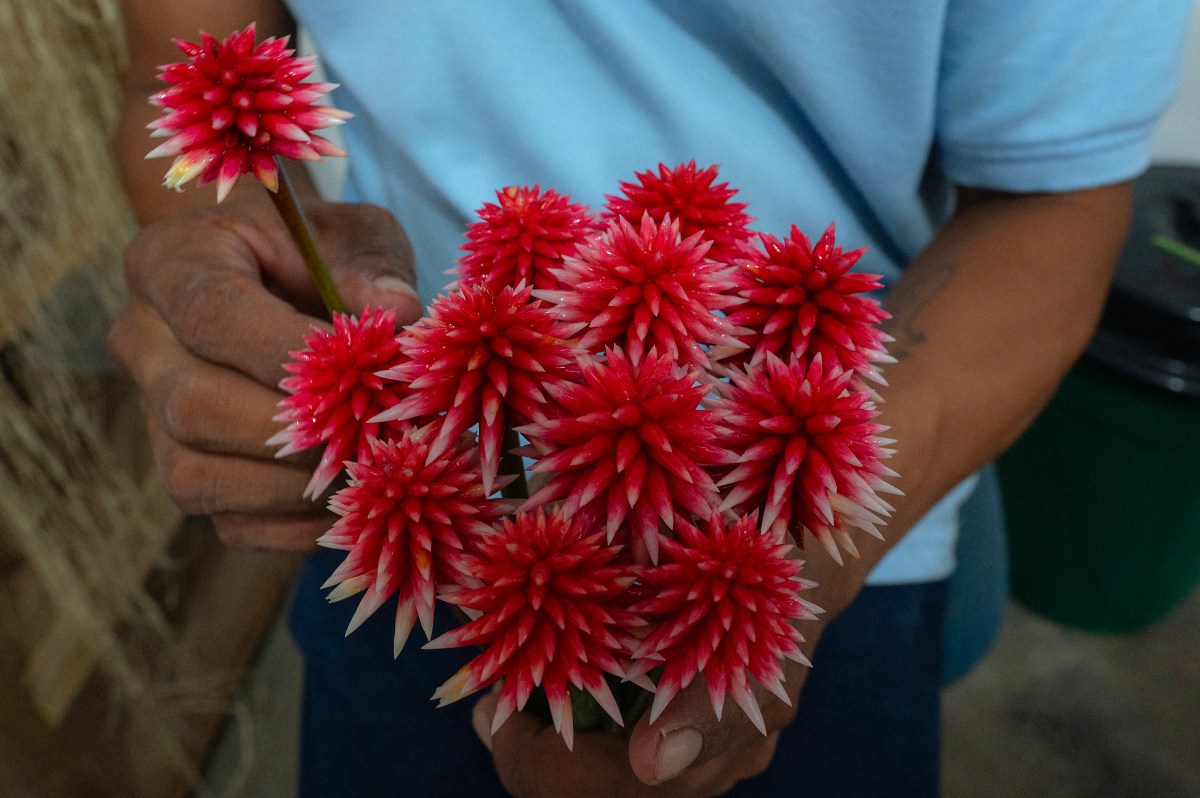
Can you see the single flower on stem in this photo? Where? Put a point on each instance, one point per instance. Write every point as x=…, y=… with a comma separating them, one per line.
x=550, y=612
x=692, y=197
x=407, y=523
x=334, y=392
x=480, y=357
x=521, y=236
x=802, y=300
x=235, y=108
x=722, y=602
x=630, y=444
x=808, y=454
x=643, y=286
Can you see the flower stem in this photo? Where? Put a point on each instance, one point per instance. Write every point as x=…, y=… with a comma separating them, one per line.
x=288, y=205
x=514, y=464
x=1178, y=249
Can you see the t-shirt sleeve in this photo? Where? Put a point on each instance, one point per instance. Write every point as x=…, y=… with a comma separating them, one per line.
x=1054, y=95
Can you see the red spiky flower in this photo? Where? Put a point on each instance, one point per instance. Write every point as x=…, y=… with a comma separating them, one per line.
x=691, y=196
x=642, y=287
x=522, y=237
x=481, y=357
x=723, y=602
x=406, y=522
x=551, y=612
x=808, y=453
x=335, y=392
x=802, y=300
x=630, y=445
x=233, y=106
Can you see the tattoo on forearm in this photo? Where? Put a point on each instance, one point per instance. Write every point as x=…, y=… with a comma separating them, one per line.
x=908, y=303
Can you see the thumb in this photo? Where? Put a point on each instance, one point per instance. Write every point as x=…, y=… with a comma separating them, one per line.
x=688, y=734
x=362, y=287
x=369, y=257
x=532, y=759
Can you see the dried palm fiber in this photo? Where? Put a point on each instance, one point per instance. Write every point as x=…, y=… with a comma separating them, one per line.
x=80, y=525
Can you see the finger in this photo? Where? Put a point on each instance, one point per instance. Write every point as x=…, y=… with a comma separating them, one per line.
x=533, y=761
x=369, y=257
x=688, y=734
x=197, y=404
x=203, y=483
x=283, y=532
x=202, y=275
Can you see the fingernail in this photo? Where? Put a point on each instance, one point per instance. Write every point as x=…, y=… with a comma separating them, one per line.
x=678, y=750
x=394, y=285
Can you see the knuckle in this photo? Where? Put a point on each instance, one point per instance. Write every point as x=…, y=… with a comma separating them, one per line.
x=375, y=217
x=156, y=243
x=187, y=481
x=237, y=533
x=179, y=410
x=387, y=234
x=198, y=308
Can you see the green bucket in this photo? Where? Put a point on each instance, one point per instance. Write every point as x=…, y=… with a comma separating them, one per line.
x=1102, y=493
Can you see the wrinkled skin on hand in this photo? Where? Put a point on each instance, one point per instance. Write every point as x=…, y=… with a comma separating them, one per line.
x=217, y=300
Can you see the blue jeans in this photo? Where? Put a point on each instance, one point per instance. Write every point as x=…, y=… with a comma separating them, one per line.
x=867, y=723
x=977, y=595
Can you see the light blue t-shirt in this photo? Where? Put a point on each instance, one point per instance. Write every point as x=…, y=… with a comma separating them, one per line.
x=862, y=112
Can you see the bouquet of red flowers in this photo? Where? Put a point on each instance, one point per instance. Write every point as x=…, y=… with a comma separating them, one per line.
x=601, y=442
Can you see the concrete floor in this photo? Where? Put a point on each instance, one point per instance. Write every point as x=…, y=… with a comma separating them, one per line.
x=1050, y=712
x=1055, y=712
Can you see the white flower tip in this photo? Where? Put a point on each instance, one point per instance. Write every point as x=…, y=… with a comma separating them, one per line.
x=644, y=681
x=284, y=439
x=847, y=543
x=813, y=608
x=347, y=588
x=831, y=547
x=659, y=705
x=750, y=706
x=224, y=186
x=454, y=689
x=776, y=688
x=161, y=151
x=404, y=625
x=332, y=151
x=365, y=609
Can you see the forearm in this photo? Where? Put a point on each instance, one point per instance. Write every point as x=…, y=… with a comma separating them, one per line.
x=987, y=320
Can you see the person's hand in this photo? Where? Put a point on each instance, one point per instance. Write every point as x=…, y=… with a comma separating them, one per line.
x=217, y=299
x=687, y=752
